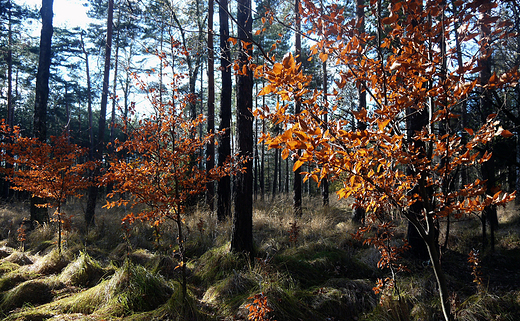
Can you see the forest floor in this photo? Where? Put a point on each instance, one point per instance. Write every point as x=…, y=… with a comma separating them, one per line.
x=310, y=268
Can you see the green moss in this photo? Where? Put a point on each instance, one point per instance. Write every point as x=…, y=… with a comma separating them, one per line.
x=217, y=264
x=51, y=263
x=29, y=292
x=6, y=267
x=228, y=294
x=131, y=289
x=314, y=263
x=84, y=271
x=489, y=307
x=11, y=279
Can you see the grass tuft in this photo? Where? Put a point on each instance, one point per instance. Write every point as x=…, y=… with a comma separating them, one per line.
x=29, y=292
x=19, y=258
x=131, y=289
x=84, y=271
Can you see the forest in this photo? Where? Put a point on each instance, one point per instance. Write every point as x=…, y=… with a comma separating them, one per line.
x=268, y=160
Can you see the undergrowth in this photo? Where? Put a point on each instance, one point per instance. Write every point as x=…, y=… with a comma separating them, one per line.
x=306, y=268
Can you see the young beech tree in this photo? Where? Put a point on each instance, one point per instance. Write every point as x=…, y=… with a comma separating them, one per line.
x=164, y=170
x=48, y=171
x=402, y=71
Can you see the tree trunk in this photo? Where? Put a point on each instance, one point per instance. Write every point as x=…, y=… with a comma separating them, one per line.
x=297, y=184
x=486, y=104
x=242, y=234
x=325, y=180
x=262, y=156
x=114, y=87
x=10, y=105
x=417, y=118
x=42, y=95
x=275, y=177
x=224, y=146
x=358, y=215
x=89, y=100
x=210, y=151
x=93, y=190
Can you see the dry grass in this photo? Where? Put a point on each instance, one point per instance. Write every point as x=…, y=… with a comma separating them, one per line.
x=318, y=273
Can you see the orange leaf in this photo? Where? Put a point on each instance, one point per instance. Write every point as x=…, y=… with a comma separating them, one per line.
x=297, y=165
x=323, y=56
x=469, y=130
x=506, y=133
x=232, y=40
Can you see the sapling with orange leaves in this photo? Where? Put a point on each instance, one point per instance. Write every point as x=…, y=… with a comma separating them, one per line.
x=163, y=170
x=387, y=166
x=51, y=171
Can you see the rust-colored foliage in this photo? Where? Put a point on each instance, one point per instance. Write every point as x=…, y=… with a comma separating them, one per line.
x=294, y=232
x=162, y=169
x=51, y=171
x=476, y=265
x=259, y=309
x=404, y=72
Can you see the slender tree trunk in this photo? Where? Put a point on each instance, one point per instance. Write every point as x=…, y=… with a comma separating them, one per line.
x=224, y=146
x=210, y=151
x=297, y=184
x=89, y=100
x=262, y=156
x=417, y=119
x=359, y=212
x=42, y=95
x=10, y=105
x=242, y=233
x=486, y=104
x=275, y=177
x=93, y=190
x=114, y=86
x=325, y=180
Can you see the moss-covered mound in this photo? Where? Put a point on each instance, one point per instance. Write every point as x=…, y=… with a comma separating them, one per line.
x=51, y=263
x=131, y=289
x=314, y=263
x=84, y=271
x=29, y=292
x=16, y=276
x=5, y=252
x=19, y=258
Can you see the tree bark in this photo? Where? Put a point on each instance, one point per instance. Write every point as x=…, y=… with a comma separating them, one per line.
x=486, y=104
x=325, y=180
x=242, y=234
x=224, y=146
x=10, y=105
x=89, y=100
x=93, y=190
x=210, y=151
x=297, y=184
x=40, y=214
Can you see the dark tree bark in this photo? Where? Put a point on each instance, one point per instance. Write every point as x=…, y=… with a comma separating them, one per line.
x=210, y=151
x=486, y=105
x=10, y=105
x=325, y=181
x=242, y=234
x=224, y=146
x=262, y=156
x=275, y=177
x=89, y=100
x=297, y=184
x=358, y=215
x=40, y=214
x=114, y=85
x=93, y=190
